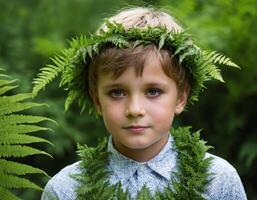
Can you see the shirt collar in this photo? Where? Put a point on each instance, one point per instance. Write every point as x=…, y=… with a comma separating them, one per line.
x=163, y=163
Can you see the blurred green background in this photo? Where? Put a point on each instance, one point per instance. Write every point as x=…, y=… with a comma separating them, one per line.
x=33, y=30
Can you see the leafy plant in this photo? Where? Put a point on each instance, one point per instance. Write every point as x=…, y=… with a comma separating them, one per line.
x=73, y=62
x=15, y=138
x=189, y=182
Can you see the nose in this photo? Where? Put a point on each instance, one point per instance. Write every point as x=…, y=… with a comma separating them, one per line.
x=135, y=107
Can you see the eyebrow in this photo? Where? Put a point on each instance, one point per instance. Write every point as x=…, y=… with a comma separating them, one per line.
x=113, y=85
x=150, y=84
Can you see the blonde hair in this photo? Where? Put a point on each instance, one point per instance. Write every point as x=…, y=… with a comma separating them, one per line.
x=142, y=17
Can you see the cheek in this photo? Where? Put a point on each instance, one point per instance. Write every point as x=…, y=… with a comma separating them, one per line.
x=112, y=115
x=163, y=115
x=163, y=119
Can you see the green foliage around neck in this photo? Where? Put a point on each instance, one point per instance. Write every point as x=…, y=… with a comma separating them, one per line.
x=15, y=136
x=72, y=64
x=189, y=182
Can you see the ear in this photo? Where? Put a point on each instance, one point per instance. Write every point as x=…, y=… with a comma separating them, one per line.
x=98, y=110
x=181, y=101
x=97, y=105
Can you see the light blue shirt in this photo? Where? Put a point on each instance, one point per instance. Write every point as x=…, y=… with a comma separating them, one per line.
x=155, y=174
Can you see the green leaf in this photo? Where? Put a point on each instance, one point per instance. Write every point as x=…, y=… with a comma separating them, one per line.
x=5, y=89
x=7, y=195
x=10, y=181
x=22, y=119
x=11, y=167
x=21, y=128
x=16, y=107
x=4, y=100
x=7, y=151
x=46, y=76
x=14, y=128
x=14, y=138
x=162, y=40
x=6, y=82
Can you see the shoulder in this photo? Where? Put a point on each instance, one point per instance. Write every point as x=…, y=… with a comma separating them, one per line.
x=225, y=182
x=62, y=185
x=220, y=165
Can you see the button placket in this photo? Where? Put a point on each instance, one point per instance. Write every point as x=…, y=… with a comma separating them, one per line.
x=141, y=172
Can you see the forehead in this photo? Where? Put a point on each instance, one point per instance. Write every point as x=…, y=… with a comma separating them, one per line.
x=152, y=72
x=116, y=61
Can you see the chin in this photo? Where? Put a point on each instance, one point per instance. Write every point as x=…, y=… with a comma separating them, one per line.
x=139, y=145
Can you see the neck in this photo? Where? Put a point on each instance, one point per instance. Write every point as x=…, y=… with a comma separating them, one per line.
x=144, y=154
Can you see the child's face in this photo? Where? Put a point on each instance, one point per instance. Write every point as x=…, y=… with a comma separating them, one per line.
x=138, y=111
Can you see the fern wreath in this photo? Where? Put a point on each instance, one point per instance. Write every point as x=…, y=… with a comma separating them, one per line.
x=72, y=63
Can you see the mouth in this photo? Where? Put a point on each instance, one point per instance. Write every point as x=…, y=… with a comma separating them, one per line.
x=136, y=128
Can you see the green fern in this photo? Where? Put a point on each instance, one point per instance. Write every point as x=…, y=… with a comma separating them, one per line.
x=72, y=64
x=14, y=139
x=144, y=194
x=189, y=182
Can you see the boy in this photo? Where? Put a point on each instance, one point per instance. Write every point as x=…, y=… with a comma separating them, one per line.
x=138, y=85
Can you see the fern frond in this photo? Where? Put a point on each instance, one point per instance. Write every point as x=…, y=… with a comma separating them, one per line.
x=16, y=107
x=6, y=82
x=192, y=153
x=10, y=167
x=21, y=128
x=7, y=151
x=4, y=75
x=11, y=181
x=7, y=195
x=144, y=194
x=219, y=58
x=22, y=119
x=5, y=89
x=72, y=96
x=13, y=138
x=72, y=63
x=14, y=98
x=118, y=41
x=46, y=76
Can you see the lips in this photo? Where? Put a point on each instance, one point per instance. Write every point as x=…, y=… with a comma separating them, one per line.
x=136, y=128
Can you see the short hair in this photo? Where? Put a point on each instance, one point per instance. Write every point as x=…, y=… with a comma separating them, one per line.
x=116, y=60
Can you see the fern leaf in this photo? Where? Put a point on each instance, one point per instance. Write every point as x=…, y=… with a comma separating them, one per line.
x=7, y=151
x=16, y=107
x=14, y=128
x=11, y=167
x=72, y=62
x=208, y=71
x=21, y=128
x=13, y=138
x=14, y=98
x=118, y=41
x=214, y=73
x=5, y=89
x=10, y=181
x=219, y=58
x=4, y=75
x=72, y=96
x=59, y=61
x=7, y=195
x=22, y=119
x=144, y=193
x=162, y=41
x=6, y=82
x=44, y=78
x=190, y=52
